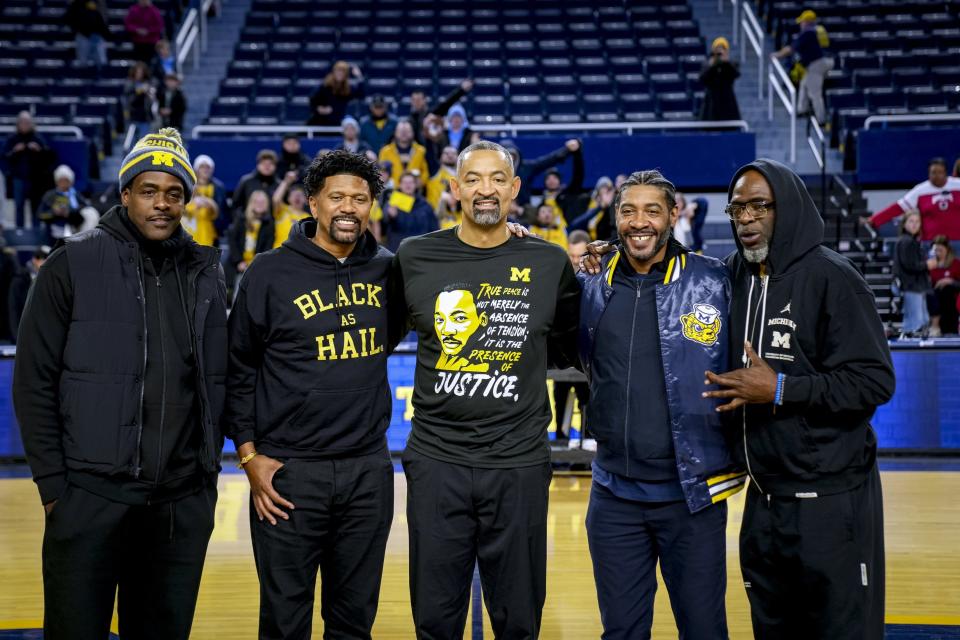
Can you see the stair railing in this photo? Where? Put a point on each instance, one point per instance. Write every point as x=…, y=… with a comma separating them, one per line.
x=779, y=82
x=753, y=35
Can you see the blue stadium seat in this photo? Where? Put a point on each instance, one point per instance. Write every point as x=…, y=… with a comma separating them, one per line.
x=946, y=75
x=661, y=64
x=489, y=105
x=675, y=102
x=919, y=97
x=859, y=59
x=845, y=98
x=910, y=76
x=668, y=82
x=632, y=83
x=274, y=87
x=523, y=104
x=865, y=78
x=656, y=46
x=884, y=98
x=229, y=106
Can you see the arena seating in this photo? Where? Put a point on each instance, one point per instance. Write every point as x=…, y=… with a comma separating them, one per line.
x=891, y=57
x=38, y=72
x=552, y=61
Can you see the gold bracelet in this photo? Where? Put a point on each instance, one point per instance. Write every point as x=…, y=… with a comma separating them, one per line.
x=247, y=458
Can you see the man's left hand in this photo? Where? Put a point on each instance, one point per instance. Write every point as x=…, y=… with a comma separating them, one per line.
x=755, y=385
x=518, y=230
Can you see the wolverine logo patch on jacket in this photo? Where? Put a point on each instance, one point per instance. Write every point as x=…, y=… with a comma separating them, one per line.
x=702, y=325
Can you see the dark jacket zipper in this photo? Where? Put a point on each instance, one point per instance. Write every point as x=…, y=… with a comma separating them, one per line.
x=626, y=408
x=163, y=385
x=143, y=371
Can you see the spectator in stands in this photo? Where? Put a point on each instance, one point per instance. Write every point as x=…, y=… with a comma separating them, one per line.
x=405, y=154
x=139, y=96
x=717, y=77
x=695, y=212
x=351, y=137
x=171, y=103
x=20, y=286
x=406, y=213
x=144, y=24
x=263, y=178
x=289, y=207
x=60, y=209
x=376, y=128
x=440, y=181
x=913, y=279
x=550, y=225
x=956, y=168
x=27, y=159
x=212, y=189
x=944, y=271
x=292, y=157
x=526, y=170
x=567, y=199
x=203, y=210
x=453, y=131
x=600, y=219
x=252, y=232
x=328, y=104
x=420, y=107
x=808, y=48
x=937, y=199
x=87, y=20
x=163, y=62
x=619, y=180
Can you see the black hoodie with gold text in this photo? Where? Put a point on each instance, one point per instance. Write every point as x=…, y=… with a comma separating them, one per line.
x=308, y=351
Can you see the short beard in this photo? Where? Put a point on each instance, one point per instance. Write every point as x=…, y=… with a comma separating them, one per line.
x=488, y=218
x=643, y=257
x=756, y=256
x=343, y=237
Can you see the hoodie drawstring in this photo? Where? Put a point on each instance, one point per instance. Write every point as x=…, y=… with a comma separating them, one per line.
x=762, y=308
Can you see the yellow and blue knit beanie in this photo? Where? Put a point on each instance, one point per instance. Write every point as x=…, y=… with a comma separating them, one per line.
x=161, y=151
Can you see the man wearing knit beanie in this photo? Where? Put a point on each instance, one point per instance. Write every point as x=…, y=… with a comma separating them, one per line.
x=118, y=389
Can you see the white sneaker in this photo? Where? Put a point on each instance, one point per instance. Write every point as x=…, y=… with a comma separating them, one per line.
x=589, y=444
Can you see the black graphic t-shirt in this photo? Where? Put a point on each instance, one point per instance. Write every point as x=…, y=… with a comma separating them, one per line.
x=487, y=320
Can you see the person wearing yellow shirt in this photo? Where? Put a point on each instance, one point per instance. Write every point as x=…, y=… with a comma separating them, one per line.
x=251, y=233
x=286, y=214
x=203, y=209
x=405, y=155
x=441, y=179
x=550, y=225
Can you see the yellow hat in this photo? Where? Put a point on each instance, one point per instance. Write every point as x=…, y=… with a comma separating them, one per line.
x=721, y=41
x=807, y=16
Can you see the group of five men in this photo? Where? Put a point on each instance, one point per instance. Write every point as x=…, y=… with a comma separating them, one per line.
x=124, y=382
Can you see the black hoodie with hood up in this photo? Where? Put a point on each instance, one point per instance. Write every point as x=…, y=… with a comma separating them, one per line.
x=308, y=351
x=811, y=316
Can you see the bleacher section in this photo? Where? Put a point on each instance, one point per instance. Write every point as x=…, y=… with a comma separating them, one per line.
x=552, y=61
x=38, y=71
x=891, y=57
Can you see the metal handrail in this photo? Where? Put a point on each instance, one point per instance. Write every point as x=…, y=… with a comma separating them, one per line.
x=843, y=185
x=185, y=27
x=736, y=21
x=926, y=117
x=513, y=129
x=77, y=132
x=779, y=82
x=754, y=35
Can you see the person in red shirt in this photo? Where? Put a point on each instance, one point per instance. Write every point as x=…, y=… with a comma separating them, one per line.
x=937, y=199
x=144, y=23
x=945, y=275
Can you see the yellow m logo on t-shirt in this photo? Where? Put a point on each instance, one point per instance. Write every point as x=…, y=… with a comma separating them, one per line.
x=519, y=275
x=162, y=158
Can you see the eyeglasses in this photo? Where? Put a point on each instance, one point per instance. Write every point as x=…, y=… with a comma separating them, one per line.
x=757, y=210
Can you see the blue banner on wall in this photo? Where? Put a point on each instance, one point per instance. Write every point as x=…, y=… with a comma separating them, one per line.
x=924, y=413
x=896, y=156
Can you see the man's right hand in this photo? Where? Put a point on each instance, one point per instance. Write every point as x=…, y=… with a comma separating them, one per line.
x=260, y=471
x=590, y=261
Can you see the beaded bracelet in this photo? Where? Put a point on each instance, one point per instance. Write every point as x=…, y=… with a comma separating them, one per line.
x=778, y=396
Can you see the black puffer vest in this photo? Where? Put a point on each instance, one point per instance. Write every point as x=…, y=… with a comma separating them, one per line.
x=102, y=385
